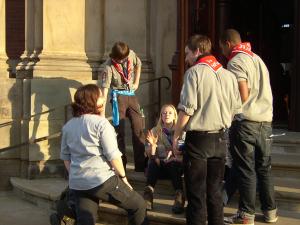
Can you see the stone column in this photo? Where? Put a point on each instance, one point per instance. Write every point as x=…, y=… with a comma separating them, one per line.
x=3, y=55
x=69, y=47
x=22, y=69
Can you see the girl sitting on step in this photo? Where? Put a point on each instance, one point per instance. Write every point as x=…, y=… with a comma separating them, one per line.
x=91, y=155
x=162, y=162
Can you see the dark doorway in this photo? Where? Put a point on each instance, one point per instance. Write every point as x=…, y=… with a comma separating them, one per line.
x=268, y=25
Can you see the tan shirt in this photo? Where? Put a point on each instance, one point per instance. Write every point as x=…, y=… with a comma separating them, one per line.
x=211, y=99
x=259, y=105
x=111, y=78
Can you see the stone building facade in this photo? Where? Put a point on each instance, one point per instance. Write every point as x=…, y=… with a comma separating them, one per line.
x=50, y=47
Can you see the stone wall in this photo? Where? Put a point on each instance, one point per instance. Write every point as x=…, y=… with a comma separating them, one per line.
x=65, y=44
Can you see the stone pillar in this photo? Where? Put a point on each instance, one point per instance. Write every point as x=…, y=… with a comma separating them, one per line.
x=3, y=55
x=69, y=47
x=33, y=38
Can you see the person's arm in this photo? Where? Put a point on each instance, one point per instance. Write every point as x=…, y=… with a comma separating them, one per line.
x=183, y=119
x=108, y=140
x=187, y=105
x=137, y=73
x=65, y=154
x=136, y=81
x=67, y=165
x=104, y=94
x=244, y=90
x=105, y=78
x=152, y=139
x=238, y=68
x=117, y=164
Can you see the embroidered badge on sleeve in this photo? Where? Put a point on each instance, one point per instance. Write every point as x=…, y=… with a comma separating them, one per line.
x=104, y=76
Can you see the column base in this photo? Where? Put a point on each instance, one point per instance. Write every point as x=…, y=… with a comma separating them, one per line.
x=75, y=66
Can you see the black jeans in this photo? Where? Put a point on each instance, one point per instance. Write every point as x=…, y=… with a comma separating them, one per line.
x=231, y=187
x=204, y=160
x=171, y=170
x=114, y=191
x=251, y=152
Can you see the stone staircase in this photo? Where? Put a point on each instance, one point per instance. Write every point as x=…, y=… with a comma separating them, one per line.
x=286, y=173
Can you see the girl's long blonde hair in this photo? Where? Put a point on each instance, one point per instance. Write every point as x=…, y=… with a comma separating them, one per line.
x=160, y=122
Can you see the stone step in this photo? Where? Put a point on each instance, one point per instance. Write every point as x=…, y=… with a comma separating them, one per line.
x=16, y=211
x=43, y=193
x=286, y=165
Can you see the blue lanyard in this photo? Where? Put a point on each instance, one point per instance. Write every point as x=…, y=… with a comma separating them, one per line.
x=115, y=107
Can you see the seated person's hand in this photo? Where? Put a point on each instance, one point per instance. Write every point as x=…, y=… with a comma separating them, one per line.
x=152, y=138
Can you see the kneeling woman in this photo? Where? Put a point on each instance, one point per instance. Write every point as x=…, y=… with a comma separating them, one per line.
x=162, y=163
x=90, y=152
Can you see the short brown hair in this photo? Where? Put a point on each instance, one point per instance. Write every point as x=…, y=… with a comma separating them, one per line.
x=200, y=42
x=231, y=35
x=119, y=51
x=85, y=100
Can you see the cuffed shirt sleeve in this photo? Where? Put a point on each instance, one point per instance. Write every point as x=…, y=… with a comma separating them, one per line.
x=136, y=60
x=105, y=77
x=188, y=95
x=64, y=150
x=108, y=141
x=237, y=68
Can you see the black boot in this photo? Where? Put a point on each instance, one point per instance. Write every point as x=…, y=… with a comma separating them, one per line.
x=178, y=206
x=148, y=196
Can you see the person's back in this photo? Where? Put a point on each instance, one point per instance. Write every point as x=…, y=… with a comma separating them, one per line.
x=250, y=142
x=259, y=106
x=91, y=156
x=82, y=138
x=218, y=98
x=208, y=101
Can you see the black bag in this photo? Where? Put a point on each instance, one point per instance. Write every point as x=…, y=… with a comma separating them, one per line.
x=65, y=209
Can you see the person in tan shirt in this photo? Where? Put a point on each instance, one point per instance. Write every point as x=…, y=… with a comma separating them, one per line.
x=209, y=100
x=121, y=74
x=250, y=143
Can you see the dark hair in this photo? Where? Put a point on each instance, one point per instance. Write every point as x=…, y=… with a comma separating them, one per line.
x=200, y=42
x=85, y=100
x=119, y=51
x=231, y=35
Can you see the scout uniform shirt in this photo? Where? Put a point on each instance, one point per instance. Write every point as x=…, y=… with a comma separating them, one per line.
x=210, y=96
x=249, y=67
x=111, y=78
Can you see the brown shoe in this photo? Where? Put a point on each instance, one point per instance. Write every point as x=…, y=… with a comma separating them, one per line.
x=178, y=206
x=148, y=196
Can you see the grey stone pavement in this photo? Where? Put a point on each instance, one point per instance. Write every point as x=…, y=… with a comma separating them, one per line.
x=14, y=211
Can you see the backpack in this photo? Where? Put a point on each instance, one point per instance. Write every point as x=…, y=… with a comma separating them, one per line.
x=65, y=209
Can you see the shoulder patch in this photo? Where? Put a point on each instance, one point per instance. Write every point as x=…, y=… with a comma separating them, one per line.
x=104, y=76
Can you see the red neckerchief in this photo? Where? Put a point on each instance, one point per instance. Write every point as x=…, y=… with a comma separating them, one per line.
x=210, y=61
x=241, y=48
x=118, y=67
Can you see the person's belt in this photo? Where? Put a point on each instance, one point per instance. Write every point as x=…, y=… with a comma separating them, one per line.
x=115, y=108
x=256, y=122
x=207, y=132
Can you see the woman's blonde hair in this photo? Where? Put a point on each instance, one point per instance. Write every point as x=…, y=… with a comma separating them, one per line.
x=160, y=122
